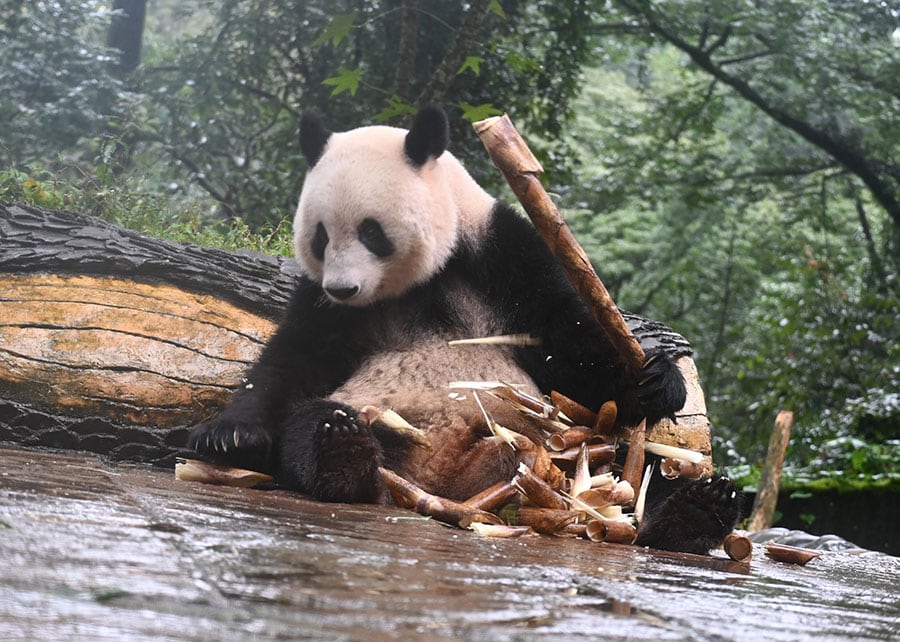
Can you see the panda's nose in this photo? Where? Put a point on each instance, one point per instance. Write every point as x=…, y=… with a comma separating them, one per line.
x=342, y=294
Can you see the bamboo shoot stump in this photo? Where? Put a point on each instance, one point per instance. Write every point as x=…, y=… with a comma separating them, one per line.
x=117, y=343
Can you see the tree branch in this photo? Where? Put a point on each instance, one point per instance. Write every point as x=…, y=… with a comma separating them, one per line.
x=443, y=77
x=883, y=192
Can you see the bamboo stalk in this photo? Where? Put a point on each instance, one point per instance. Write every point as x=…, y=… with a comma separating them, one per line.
x=520, y=168
x=580, y=415
x=633, y=468
x=537, y=490
x=606, y=418
x=408, y=495
x=493, y=497
x=738, y=547
x=545, y=520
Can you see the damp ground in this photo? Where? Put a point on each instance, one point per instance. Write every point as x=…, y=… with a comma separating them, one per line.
x=96, y=551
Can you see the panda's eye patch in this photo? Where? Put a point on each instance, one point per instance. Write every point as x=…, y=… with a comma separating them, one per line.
x=320, y=240
x=372, y=236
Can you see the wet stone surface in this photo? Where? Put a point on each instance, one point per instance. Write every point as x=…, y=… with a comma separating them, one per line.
x=95, y=551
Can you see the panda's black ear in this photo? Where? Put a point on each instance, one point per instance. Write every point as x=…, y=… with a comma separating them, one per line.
x=313, y=137
x=429, y=135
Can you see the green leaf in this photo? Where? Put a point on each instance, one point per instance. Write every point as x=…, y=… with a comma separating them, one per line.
x=346, y=80
x=474, y=113
x=337, y=30
x=395, y=107
x=497, y=8
x=473, y=63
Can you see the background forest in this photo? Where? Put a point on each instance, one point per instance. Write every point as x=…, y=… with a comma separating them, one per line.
x=733, y=168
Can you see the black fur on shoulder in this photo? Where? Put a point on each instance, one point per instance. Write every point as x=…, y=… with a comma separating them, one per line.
x=429, y=135
x=313, y=137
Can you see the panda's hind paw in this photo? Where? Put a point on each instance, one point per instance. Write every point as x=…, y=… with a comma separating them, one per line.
x=695, y=518
x=331, y=455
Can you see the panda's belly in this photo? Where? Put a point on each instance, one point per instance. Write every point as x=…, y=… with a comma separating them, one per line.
x=426, y=369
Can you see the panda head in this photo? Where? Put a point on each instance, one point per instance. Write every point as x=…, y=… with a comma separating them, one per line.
x=382, y=209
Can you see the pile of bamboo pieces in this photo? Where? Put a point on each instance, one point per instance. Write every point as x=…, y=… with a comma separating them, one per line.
x=564, y=485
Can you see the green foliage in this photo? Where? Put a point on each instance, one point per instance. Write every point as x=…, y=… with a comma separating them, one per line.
x=755, y=241
x=56, y=87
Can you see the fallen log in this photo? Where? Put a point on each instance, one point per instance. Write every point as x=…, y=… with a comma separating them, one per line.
x=115, y=342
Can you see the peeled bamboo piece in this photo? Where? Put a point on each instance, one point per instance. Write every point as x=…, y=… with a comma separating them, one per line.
x=200, y=471
x=738, y=547
x=604, y=530
x=665, y=450
x=408, y=495
x=537, y=490
x=372, y=415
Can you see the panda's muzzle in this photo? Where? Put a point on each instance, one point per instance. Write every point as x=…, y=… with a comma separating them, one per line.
x=343, y=293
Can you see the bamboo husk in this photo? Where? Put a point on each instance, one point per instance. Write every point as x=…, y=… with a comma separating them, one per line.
x=621, y=493
x=672, y=468
x=597, y=454
x=537, y=490
x=200, y=471
x=738, y=547
x=604, y=530
x=574, y=436
x=520, y=168
x=791, y=554
x=493, y=497
x=545, y=520
x=580, y=415
x=500, y=530
x=408, y=495
x=634, y=460
x=581, y=480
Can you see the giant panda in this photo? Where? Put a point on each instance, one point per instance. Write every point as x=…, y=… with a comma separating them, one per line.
x=401, y=252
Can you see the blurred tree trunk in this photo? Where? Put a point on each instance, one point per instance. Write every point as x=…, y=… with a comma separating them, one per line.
x=126, y=32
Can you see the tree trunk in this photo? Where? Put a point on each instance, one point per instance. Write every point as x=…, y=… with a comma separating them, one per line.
x=114, y=342
x=126, y=32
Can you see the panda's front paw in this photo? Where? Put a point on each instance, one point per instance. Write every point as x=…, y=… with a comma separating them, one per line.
x=693, y=519
x=328, y=453
x=661, y=389
x=234, y=441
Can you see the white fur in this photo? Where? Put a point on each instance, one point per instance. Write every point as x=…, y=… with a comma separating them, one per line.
x=425, y=212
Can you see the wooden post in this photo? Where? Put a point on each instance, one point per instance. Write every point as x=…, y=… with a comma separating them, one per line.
x=770, y=480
